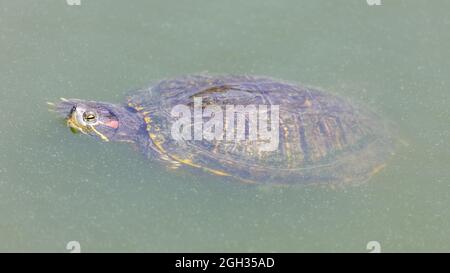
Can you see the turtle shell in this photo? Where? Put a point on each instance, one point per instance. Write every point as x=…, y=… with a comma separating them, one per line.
x=322, y=138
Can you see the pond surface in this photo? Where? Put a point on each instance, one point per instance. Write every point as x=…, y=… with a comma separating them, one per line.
x=57, y=187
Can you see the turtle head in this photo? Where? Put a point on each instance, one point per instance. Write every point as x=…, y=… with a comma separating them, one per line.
x=105, y=121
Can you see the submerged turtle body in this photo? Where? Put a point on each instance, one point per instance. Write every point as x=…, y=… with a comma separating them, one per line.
x=321, y=138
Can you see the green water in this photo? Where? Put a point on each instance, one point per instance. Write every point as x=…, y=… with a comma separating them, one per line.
x=57, y=187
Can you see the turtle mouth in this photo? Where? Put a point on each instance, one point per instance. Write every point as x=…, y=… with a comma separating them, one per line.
x=73, y=123
x=67, y=109
x=86, y=117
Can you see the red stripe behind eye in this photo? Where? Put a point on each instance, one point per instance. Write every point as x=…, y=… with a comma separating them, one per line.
x=113, y=124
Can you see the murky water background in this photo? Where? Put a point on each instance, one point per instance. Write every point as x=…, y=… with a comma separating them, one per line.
x=56, y=187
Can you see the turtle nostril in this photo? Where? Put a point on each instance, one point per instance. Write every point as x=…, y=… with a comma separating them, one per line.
x=74, y=108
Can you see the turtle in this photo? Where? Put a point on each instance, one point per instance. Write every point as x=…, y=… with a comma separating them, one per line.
x=319, y=137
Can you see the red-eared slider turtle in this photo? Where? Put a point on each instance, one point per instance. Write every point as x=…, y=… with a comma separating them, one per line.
x=314, y=137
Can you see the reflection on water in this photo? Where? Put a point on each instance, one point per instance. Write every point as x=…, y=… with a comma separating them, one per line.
x=56, y=187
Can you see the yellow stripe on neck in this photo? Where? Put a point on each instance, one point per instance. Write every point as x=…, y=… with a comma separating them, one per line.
x=102, y=136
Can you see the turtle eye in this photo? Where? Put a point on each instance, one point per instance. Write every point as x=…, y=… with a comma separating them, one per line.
x=89, y=117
